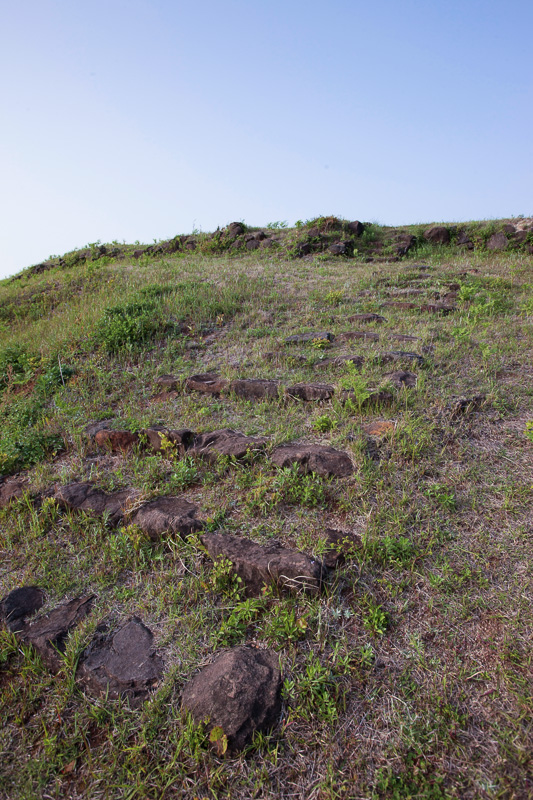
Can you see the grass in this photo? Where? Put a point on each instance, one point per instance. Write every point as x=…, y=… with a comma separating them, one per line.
x=410, y=675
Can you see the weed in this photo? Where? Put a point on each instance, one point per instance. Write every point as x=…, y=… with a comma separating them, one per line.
x=324, y=423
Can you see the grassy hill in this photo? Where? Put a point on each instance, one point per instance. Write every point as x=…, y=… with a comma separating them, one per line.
x=408, y=671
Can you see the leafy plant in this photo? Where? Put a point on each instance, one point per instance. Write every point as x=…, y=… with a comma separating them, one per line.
x=324, y=423
x=375, y=619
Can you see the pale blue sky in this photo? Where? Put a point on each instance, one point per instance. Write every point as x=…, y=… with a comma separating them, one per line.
x=141, y=119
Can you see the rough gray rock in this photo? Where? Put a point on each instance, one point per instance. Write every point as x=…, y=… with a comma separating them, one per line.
x=20, y=604
x=116, y=441
x=86, y=497
x=306, y=338
x=438, y=234
x=255, y=389
x=401, y=378
x=122, y=663
x=259, y=565
x=311, y=391
x=324, y=460
x=240, y=692
x=207, y=383
x=167, y=515
x=226, y=442
x=498, y=241
x=48, y=633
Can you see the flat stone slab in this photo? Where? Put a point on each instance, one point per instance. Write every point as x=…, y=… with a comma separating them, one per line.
x=366, y=318
x=226, y=442
x=306, y=338
x=255, y=389
x=348, y=336
x=86, y=497
x=339, y=361
x=401, y=378
x=48, y=633
x=20, y=604
x=121, y=663
x=262, y=565
x=310, y=391
x=207, y=383
x=12, y=489
x=116, y=441
x=321, y=459
x=239, y=692
x=167, y=515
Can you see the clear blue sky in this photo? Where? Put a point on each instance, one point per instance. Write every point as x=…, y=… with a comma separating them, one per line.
x=140, y=119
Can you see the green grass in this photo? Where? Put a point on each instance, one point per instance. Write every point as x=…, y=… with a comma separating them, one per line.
x=410, y=674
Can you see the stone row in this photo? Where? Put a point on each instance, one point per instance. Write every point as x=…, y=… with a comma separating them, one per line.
x=238, y=692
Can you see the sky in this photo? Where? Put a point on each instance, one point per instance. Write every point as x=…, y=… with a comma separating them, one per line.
x=136, y=120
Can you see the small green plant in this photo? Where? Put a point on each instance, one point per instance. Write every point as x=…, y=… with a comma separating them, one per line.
x=316, y=693
x=278, y=225
x=124, y=327
x=224, y=580
x=185, y=473
x=334, y=297
x=283, y=625
x=529, y=430
x=320, y=344
x=287, y=485
x=323, y=424
x=356, y=385
x=233, y=627
x=442, y=495
x=375, y=620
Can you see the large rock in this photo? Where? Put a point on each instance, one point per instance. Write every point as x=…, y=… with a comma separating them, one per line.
x=401, y=378
x=438, y=234
x=356, y=228
x=12, y=489
x=163, y=440
x=307, y=338
x=226, y=442
x=255, y=389
x=116, y=441
x=498, y=241
x=207, y=383
x=86, y=497
x=259, y=565
x=167, y=515
x=20, y=604
x=321, y=459
x=48, y=634
x=311, y=391
x=239, y=692
x=122, y=663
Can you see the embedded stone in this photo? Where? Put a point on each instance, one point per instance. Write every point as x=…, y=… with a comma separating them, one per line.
x=340, y=546
x=339, y=361
x=12, y=489
x=226, y=442
x=311, y=391
x=95, y=427
x=404, y=337
x=379, y=428
x=400, y=355
x=255, y=389
x=168, y=383
x=498, y=241
x=86, y=497
x=321, y=459
x=465, y=405
x=160, y=439
x=20, y=604
x=48, y=634
x=348, y=336
x=366, y=318
x=438, y=234
x=262, y=565
x=207, y=383
x=121, y=663
x=116, y=441
x=167, y=515
x=306, y=338
x=239, y=692
x=401, y=378
x=380, y=397
x=437, y=308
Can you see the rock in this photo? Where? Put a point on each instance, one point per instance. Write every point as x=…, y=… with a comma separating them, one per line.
x=226, y=442
x=253, y=244
x=48, y=633
x=520, y=237
x=437, y=308
x=356, y=228
x=116, y=441
x=379, y=428
x=307, y=338
x=498, y=241
x=266, y=243
x=262, y=565
x=341, y=545
x=235, y=229
x=20, y=604
x=404, y=306
x=138, y=253
x=122, y=663
x=239, y=692
x=86, y=497
x=339, y=361
x=366, y=318
x=208, y=383
x=401, y=378
x=167, y=515
x=400, y=355
x=164, y=397
x=160, y=439
x=321, y=459
x=341, y=248
x=438, y=234
x=168, y=383
x=463, y=240
x=404, y=243
x=381, y=397
x=95, y=427
x=11, y=490
x=311, y=391
x=255, y=389
x=348, y=336
x=465, y=405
